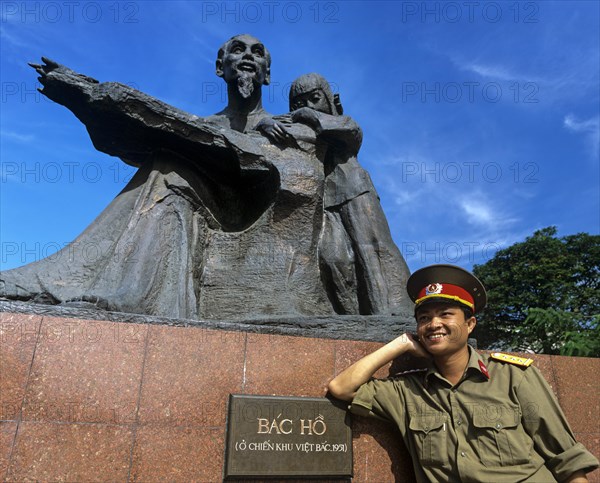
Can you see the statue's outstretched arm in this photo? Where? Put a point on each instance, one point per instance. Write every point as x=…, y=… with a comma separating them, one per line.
x=62, y=84
x=127, y=123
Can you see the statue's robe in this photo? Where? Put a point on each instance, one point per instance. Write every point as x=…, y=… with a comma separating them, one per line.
x=215, y=223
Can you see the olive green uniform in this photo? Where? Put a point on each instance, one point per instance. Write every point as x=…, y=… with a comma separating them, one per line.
x=500, y=423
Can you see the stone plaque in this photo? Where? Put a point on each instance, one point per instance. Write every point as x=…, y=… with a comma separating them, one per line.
x=274, y=436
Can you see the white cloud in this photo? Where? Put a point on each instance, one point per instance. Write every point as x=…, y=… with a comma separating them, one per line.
x=405, y=198
x=476, y=212
x=483, y=213
x=589, y=125
x=22, y=138
x=556, y=82
x=493, y=71
x=14, y=40
x=590, y=128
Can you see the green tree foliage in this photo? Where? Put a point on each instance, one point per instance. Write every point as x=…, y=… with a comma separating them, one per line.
x=543, y=295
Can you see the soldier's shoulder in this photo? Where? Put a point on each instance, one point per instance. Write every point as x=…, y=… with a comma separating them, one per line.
x=510, y=360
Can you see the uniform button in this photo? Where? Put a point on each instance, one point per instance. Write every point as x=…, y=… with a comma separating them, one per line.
x=463, y=454
x=426, y=428
x=459, y=422
x=498, y=426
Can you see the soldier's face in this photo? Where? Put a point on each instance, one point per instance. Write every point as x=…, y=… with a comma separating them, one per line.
x=442, y=328
x=245, y=56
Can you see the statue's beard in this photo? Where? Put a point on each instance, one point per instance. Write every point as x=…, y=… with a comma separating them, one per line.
x=245, y=85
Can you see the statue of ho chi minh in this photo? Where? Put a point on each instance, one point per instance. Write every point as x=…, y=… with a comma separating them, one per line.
x=232, y=215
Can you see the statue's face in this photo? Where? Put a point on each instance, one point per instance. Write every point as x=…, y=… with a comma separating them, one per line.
x=245, y=55
x=314, y=99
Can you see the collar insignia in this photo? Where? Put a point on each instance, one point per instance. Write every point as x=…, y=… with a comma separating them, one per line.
x=483, y=369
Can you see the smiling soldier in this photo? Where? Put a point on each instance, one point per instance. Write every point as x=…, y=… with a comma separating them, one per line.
x=467, y=417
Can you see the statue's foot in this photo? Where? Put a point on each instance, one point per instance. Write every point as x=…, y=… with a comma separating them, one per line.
x=11, y=290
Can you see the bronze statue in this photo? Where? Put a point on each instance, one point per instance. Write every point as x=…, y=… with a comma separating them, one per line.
x=221, y=221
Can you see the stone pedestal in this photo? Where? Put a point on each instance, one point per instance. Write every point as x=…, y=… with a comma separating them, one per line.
x=85, y=400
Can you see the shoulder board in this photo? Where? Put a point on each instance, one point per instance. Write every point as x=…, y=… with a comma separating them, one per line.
x=411, y=371
x=517, y=361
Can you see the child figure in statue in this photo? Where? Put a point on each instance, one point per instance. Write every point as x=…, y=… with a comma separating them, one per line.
x=363, y=265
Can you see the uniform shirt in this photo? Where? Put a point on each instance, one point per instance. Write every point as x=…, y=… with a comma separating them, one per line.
x=500, y=423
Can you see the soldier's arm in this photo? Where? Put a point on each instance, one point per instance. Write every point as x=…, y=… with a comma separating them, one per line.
x=345, y=385
x=578, y=477
x=553, y=439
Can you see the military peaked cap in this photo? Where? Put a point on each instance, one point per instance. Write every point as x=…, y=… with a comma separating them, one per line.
x=444, y=283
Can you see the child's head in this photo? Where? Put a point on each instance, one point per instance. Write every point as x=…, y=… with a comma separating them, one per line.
x=312, y=90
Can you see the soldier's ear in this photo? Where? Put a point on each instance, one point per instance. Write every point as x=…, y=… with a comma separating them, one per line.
x=267, y=77
x=219, y=66
x=471, y=323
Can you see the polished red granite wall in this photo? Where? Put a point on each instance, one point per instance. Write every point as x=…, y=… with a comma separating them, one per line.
x=87, y=400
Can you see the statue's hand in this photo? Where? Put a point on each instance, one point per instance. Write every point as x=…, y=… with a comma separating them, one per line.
x=60, y=82
x=306, y=115
x=273, y=130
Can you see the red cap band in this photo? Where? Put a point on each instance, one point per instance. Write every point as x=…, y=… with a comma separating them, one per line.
x=446, y=291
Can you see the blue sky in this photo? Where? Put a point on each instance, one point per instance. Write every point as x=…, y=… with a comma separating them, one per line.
x=480, y=119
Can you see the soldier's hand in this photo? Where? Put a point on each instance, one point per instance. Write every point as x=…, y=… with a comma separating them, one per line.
x=414, y=347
